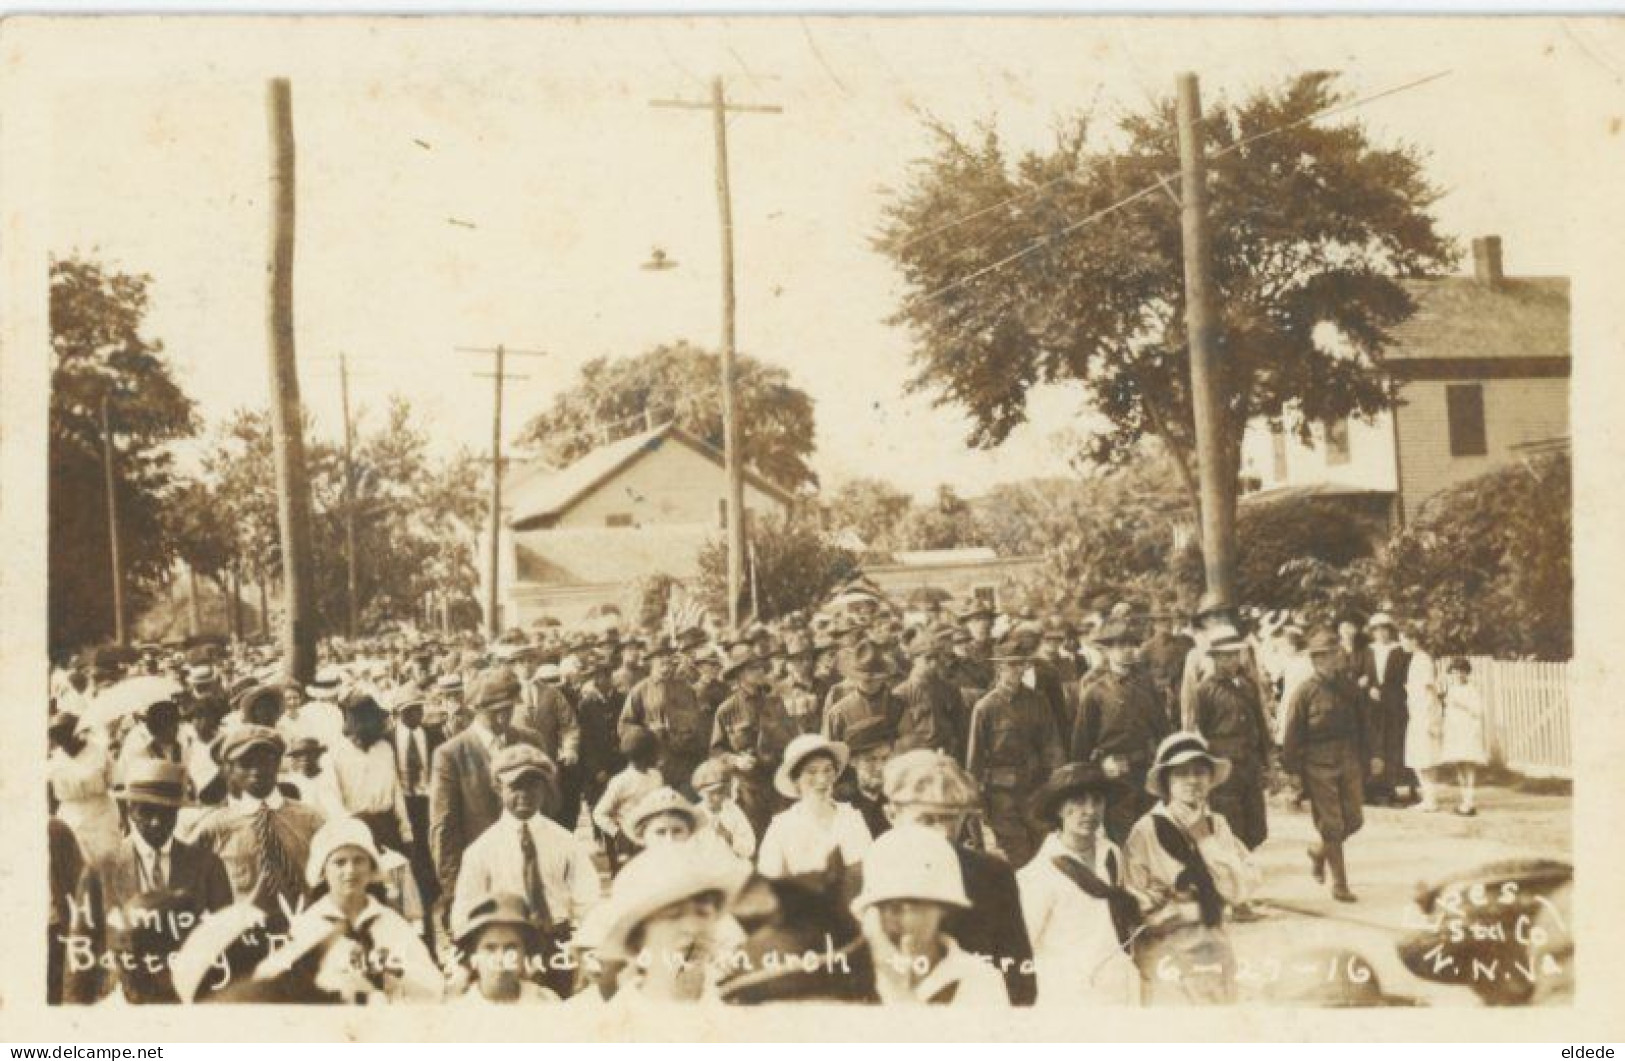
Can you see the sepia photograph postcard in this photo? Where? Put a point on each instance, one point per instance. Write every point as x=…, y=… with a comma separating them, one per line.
x=821, y=526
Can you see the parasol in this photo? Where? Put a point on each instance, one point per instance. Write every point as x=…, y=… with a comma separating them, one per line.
x=127, y=697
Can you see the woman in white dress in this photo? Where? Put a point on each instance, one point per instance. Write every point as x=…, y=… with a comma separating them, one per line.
x=800, y=840
x=1463, y=747
x=1426, y=706
x=1079, y=916
x=80, y=773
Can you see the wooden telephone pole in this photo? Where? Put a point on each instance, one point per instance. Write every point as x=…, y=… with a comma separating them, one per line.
x=110, y=483
x=287, y=420
x=349, y=501
x=1218, y=481
x=493, y=620
x=733, y=458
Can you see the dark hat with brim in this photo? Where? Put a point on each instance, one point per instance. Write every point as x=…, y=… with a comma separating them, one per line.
x=154, y=781
x=1323, y=641
x=1069, y=781
x=865, y=735
x=742, y=660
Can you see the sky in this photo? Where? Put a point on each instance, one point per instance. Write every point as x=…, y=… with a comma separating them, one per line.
x=539, y=134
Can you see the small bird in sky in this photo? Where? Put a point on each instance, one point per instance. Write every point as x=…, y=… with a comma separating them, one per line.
x=636, y=497
x=460, y=222
x=422, y=143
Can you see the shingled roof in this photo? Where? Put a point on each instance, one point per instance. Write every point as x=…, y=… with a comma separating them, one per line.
x=561, y=489
x=1460, y=317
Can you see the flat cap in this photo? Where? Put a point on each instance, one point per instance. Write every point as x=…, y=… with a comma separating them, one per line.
x=245, y=739
x=516, y=760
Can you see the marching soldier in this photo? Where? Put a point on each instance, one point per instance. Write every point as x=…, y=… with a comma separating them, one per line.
x=668, y=708
x=1326, y=744
x=1013, y=750
x=870, y=675
x=1119, y=725
x=1231, y=717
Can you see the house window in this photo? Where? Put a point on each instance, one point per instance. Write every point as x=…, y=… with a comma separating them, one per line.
x=618, y=519
x=1465, y=405
x=1278, y=456
x=1337, y=441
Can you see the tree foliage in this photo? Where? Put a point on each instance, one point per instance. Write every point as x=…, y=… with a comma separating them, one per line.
x=1311, y=228
x=99, y=349
x=947, y=522
x=870, y=508
x=793, y=563
x=683, y=382
x=1487, y=567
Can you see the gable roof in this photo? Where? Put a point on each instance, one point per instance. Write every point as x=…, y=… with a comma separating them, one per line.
x=1458, y=317
x=560, y=490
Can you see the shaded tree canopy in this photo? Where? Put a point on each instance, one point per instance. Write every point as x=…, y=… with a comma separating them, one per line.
x=793, y=564
x=1312, y=227
x=683, y=382
x=97, y=316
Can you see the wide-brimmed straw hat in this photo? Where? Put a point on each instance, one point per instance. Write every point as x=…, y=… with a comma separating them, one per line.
x=663, y=800
x=656, y=879
x=1177, y=749
x=796, y=754
x=911, y=862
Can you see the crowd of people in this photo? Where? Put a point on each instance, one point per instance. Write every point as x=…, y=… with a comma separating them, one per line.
x=862, y=803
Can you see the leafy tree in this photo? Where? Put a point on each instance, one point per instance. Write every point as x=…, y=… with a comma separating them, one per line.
x=683, y=382
x=948, y=522
x=794, y=566
x=1270, y=537
x=99, y=350
x=1487, y=566
x=1312, y=225
x=870, y=508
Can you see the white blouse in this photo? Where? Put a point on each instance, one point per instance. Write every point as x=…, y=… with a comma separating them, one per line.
x=796, y=843
x=1075, y=946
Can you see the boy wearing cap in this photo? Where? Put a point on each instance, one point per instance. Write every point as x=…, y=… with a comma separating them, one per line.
x=149, y=860
x=525, y=853
x=262, y=837
x=713, y=783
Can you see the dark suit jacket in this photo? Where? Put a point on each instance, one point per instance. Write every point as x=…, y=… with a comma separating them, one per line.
x=109, y=885
x=463, y=799
x=994, y=925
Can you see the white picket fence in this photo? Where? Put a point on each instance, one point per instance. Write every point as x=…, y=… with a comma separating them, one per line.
x=1526, y=715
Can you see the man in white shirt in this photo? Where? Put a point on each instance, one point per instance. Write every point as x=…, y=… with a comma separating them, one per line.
x=525, y=853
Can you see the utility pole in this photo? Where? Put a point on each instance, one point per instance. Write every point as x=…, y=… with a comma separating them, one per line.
x=734, y=460
x=349, y=501
x=1218, y=482
x=287, y=420
x=110, y=484
x=493, y=625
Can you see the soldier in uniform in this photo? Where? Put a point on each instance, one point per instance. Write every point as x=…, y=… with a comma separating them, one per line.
x=1231, y=717
x=547, y=712
x=1119, y=725
x=931, y=709
x=668, y=708
x=1013, y=749
x=1163, y=656
x=870, y=675
x=977, y=651
x=754, y=700
x=1325, y=743
x=797, y=688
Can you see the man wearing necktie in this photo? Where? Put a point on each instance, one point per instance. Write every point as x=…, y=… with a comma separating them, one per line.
x=528, y=854
x=463, y=798
x=149, y=860
x=414, y=749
